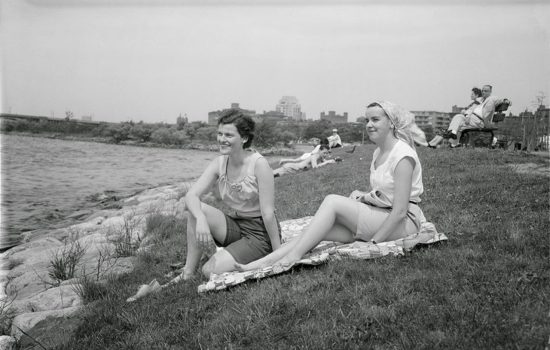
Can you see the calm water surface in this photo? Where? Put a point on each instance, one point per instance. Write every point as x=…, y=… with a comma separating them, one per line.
x=46, y=180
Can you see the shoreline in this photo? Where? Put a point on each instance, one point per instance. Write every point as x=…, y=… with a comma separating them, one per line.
x=198, y=146
x=25, y=267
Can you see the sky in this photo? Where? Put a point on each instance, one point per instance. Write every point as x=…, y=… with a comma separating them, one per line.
x=137, y=60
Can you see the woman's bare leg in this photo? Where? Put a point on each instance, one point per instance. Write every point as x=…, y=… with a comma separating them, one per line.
x=218, y=229
x=269, y=259
x=335, y=220
x=194, y=252
x=435, y=141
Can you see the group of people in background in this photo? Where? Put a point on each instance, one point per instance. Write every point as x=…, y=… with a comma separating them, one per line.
x=478, y=114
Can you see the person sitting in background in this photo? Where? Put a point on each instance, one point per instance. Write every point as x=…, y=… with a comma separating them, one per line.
x=314, y=161
x=334, y=140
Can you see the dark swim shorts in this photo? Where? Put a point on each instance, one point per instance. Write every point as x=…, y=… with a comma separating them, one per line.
x=246, y=239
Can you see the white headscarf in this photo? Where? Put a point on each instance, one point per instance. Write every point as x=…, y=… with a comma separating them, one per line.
x=403, y=122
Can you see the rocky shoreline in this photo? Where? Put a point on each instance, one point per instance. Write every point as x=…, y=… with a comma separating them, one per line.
x=34, y=290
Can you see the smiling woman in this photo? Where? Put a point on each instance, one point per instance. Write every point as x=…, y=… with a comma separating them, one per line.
x=245, y=183
x=388, y=212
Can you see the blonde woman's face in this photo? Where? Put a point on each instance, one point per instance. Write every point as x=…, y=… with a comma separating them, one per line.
x=378, y=124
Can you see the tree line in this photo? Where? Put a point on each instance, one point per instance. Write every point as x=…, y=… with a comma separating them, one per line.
x=268, y=133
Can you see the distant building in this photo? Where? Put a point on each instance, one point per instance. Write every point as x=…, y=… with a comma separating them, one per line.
x=215, y=115
x=334, y=118
x=87, y=118
x=434, y=119
x=457, y=110
x=290, y=107
x=271, y=115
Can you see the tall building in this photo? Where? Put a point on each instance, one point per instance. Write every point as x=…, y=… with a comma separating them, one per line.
x=290, y=107
x=215, y=115
x=334, y=118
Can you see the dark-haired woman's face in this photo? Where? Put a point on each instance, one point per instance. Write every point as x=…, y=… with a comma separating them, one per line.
x=229, y=138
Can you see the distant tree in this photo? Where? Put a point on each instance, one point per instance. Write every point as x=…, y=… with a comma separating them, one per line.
x=286, y=136
x=69, y=115
x=319, y=129
x=265, y=133
x=118, y=132
x=181, y=121
x=206, y=133
x=141, y=132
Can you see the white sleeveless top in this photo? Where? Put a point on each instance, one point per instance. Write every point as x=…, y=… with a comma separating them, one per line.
x=382, y=178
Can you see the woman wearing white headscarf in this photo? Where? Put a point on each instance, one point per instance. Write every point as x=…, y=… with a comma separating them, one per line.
x=388, y=212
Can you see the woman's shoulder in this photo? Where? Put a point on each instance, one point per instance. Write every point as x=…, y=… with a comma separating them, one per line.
x=402, y=150
x=255, y=159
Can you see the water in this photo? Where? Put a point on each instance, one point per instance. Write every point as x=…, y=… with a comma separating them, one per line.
x=44, y=181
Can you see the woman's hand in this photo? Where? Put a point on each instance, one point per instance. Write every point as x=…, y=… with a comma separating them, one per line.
x=357, y=195
x=202, y=233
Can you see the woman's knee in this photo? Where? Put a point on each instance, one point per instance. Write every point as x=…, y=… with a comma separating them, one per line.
x=333, y=201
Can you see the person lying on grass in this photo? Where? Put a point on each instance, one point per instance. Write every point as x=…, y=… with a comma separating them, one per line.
x=246, y=185
x=314, y=161
x=388, y=212
x=306, y=155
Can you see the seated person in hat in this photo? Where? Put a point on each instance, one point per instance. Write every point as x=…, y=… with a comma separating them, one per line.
x=334, y=139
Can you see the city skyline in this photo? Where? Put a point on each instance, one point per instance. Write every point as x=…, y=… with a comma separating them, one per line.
x=137, y=61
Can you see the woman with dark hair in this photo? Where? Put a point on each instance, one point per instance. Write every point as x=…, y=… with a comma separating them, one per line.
x=389, y=211
x=245, y=183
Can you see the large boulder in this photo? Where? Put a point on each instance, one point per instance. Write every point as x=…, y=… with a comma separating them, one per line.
x=25, y=322
x=29, y=283
x=51, y=299
x=7, y=342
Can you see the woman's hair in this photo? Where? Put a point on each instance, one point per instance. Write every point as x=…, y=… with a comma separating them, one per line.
x=244, y=124
x=477, y=91
x=323, y=141
x=324, y=147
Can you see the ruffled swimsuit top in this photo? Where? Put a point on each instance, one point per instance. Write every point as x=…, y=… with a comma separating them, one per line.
x=241, y=196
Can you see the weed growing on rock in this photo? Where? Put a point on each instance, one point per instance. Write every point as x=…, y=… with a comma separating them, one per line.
x=64, y=262
x=6, y=315
x=128, y=237
x=90, y=289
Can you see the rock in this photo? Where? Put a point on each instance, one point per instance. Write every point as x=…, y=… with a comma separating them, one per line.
x=28, y=320
x=51, y=299
x=22, y=251
x=51, y=333
x=7, y=342
x=29, y=283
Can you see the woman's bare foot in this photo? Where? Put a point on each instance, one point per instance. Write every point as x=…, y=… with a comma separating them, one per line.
x=247, y=267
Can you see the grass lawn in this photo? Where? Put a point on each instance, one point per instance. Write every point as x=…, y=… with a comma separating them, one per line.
x=487, y=287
